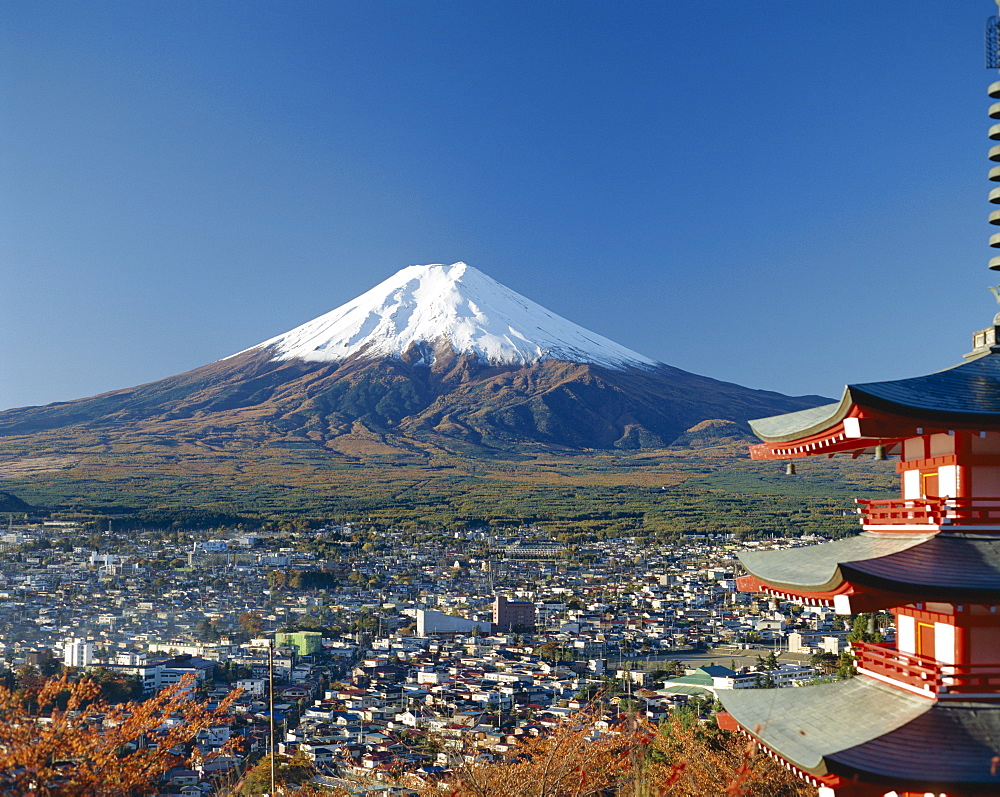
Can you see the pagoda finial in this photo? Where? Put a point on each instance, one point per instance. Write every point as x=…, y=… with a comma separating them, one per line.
x=987, y=340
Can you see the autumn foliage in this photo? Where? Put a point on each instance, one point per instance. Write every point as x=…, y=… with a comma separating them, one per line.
x=61, y=740
x=681, y=758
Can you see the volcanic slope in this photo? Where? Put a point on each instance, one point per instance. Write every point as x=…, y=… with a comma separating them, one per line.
x=436, y=357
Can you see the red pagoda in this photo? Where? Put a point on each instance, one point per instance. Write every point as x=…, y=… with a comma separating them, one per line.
x=922, y=716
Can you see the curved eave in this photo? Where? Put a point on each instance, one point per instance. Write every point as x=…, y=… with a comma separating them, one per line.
x=847, y=427
x=965, y=396
x=846, y=598
x=879, y=734
x=803, y=423
x=806, y=725
x=879, y=570
x=820, y=568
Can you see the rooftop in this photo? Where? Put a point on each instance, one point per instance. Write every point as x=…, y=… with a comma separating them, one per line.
x=967, y=394
x=860, y=725
x=929, y=566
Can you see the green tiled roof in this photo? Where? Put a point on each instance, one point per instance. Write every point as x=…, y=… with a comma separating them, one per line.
x=674, y=688
x=700, y=682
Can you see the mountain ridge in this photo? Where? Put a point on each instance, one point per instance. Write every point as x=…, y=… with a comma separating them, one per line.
x=421, y=375
x=572, y=405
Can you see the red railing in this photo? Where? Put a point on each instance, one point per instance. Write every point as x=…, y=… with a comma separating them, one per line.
x=927, y=674
x=974, y=511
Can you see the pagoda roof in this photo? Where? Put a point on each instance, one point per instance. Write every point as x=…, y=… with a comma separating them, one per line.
x=793, y=425
x=880, y=733
x=967, y=393
x=929, y=566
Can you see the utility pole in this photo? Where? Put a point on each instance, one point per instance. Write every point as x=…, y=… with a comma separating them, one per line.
x=270, y=701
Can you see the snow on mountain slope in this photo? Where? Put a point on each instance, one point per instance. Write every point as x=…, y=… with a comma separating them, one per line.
x=458, y=305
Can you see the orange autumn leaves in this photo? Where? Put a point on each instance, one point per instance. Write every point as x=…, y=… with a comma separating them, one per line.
x=60, y=740
x=680, y=758
x=57, y=739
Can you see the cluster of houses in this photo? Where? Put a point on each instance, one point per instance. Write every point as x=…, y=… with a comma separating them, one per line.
x=409, y=652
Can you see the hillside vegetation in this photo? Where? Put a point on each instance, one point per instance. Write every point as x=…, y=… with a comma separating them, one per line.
x=211, y=481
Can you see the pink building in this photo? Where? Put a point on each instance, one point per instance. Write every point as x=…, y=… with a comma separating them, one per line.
x=511, y=615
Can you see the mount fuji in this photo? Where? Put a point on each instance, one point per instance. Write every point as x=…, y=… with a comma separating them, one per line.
x=436, y=356
x=426, y=308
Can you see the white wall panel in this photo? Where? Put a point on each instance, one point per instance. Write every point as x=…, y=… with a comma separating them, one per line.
x=906, y=633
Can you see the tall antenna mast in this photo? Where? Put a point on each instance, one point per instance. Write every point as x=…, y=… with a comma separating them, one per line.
x=993, y=42
x=993, y=62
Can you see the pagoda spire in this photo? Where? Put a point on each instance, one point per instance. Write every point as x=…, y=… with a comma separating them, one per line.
x=922, y=714
x=993, y=62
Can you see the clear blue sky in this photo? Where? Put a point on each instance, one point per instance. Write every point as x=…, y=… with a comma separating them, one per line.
x=781, y=193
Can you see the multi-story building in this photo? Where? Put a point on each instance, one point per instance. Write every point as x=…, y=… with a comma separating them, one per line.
x=511, y=615
x=78, y=653
x=306, y=643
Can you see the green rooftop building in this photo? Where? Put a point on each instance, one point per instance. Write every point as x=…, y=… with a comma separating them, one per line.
x=306, y=643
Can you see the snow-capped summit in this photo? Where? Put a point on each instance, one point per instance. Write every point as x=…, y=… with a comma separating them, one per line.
x=379, y=375
x=457, y=305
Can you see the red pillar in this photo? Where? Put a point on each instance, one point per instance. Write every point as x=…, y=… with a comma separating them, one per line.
x=964, y=477
x=961, y=644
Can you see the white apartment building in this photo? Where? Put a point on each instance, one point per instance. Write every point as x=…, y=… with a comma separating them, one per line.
x=78, y=653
